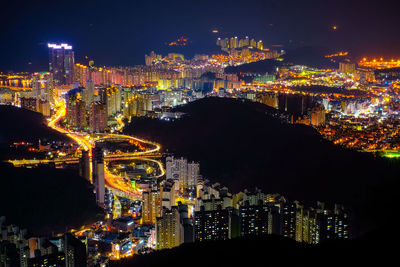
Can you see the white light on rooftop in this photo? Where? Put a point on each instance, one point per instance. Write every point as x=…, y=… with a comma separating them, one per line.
x=59, y=46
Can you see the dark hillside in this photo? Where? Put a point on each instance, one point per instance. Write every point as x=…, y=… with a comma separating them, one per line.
x=19, y=125
x=241, y=145
x=22, y=124
x=371, y=250
x=46, y=199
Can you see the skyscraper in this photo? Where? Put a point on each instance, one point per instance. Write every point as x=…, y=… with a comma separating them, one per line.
x=332, y=224
x=246, y=41
x=346, y=67
x=234, y=42
x=61, y=63
x=29, y=103
x=288, y=215
x=192, y=174
x=88, y=93
x=254, y=219
x=169, y=230
x=97, y=117
x=260, y=45
x=167, y=190
x=179, y=169
x=253, y=43
x=215, y=224
x=151, y=206
x=76, y=109
x=98, y=174
x=317, y=116
x=111, y=97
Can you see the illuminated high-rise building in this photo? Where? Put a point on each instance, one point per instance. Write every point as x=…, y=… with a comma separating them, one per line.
x=246, y=41
x=61, y=63
x=23, y=254
x=43, y=86
x=76, y=109
x=253, y=219
x=318, y=116
x=310, y=231
x=98, y=174
x=216, y=224
x=168, y=189
x=241, y=43
x=253, y=43
x=234, y=42
x=177, y=169
x=97, y=117
x=152, y=207
x=82, y=74
x=299, y=222
x=111, y=96
x=225, y=43
x=137, y=104
x=193, y=174
x=288, y=215
x=269, y=100
x=169, y=230
x=332, y=224
x=260, y=45
x=88, y=93
x=29, y=103
x=43, y=106
x=346, y=67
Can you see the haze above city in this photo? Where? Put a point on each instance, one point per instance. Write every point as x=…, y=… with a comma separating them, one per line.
x=121, y=32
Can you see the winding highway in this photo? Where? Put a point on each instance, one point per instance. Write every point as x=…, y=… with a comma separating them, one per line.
x=119, y=185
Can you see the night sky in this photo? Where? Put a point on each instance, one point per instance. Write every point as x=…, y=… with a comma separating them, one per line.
x=120, y=32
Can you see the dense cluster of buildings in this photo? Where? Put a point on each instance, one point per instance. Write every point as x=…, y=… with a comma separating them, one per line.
x=180, y=208
x=183, y=207
x=95, y=95
x=355, y=106
x=19, y=248
x=235, y=42
x=216, y=214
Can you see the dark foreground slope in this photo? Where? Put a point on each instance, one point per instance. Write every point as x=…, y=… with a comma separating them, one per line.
x=41, y=199
x=45, y=199
x=239, y=145
x=372, y=250
x=18, y=125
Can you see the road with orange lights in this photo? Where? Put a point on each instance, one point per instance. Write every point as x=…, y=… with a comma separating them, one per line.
x=119, y=185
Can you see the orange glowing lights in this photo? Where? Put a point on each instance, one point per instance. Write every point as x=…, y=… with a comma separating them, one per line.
x=380, y=64
x=182, y=41
x=340, y=54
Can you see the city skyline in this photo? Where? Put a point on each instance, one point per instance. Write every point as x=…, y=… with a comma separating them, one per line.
x=133, y=132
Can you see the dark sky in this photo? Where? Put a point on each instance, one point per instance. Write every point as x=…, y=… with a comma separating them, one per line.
x=120, y=32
